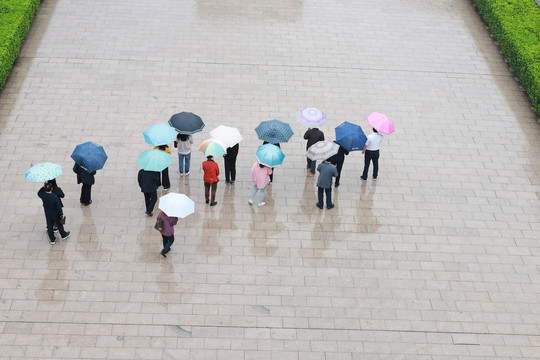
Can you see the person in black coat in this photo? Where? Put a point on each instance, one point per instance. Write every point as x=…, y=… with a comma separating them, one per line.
x=58, y=191
x=53, y=212
x=272, y=174
x=312, y=136
x=338, y=160
x=149, y=182
x=230, y=164
x=87, y=180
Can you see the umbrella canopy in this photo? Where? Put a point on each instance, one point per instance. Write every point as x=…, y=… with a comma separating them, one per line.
x=160, y=134
x=380, y=122
x=89, y=156
x=269, y=155
x=186, y=123
x=322, y=150
x=154, y=160
x=212, y=147
x=43, y=172
x=176, y=205
x=274, y=131
x=311, y=117
x=350, y=136
x=229, y=136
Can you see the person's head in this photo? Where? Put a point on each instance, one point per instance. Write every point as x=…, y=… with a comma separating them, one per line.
x=48, y=187
x=261, y=165
x=52, y=182
x=210, y=158
x=182, y=137
x=375, y=130
x=163, y=147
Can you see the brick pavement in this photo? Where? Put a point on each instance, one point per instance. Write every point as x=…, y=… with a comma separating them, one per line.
x=438, y=260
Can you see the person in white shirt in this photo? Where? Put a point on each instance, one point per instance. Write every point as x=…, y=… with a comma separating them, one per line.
x=371, y=151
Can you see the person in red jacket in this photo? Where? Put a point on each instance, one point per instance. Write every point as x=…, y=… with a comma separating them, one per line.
x=211, y=172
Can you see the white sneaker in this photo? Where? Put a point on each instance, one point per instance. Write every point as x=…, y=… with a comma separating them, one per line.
x=187, y=174
x=181, y=174
x=261, y=204
x=250, y=201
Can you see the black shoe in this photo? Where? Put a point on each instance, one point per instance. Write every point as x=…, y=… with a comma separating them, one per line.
x=319, y=206
x=55, y=229
x=363, y=179
x=330, y=207
x=337, y=185
x=214, y=203
x=163, y=254
x=148, y=213
x=208, y=201
x=232, y=182
x=88, y=203
x=374, y=179
x=165, y=189
x=53, y=242
x=67, y=235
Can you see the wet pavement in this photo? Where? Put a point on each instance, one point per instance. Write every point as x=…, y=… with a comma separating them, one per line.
x=438, y=259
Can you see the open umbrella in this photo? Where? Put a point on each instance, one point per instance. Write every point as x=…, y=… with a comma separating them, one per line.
x=89, y=156
x=322, y=150
x=311, y=117
x=154, y=160
x=186, y=123
x=269, y=155
x=177, y=205
x=43, y=172
x=274, y=131
x=229, y=136
x=380, y=122
x=212, y=147
x=160, y=134
x=350, y=136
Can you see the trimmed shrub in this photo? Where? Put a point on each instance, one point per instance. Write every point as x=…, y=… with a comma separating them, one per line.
x=15, y=19
x=515, y=25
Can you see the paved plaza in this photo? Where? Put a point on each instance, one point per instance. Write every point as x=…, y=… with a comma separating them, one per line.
x=438, y=259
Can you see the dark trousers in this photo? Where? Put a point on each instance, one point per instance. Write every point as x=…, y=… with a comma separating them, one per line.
x=371, y=155
x=312, y=165
x=230, y=168
x=164, y=179
x=272, y=175
x=86, y=193
x=150, y=199
x=51, y=221
x=328, y=197
x=167, y=243
x=207, y=187
x=339, y=165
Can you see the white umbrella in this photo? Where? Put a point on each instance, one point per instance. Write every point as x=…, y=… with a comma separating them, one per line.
x=176, y=205
x=322, y=150
x=229, y=136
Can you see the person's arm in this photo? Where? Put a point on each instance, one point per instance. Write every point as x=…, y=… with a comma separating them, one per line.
x=322, y=136
x=58, y=191
x=306, y=134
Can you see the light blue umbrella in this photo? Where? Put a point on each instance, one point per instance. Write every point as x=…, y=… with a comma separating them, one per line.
x=154, y=160
x=274, y=131
x=350, y=136
x=89, y=156
x=43, y=172
x=269, y=155
x=160, y=134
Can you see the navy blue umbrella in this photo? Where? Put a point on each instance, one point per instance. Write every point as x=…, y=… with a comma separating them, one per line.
x=350, y=136
x=186, y=123
x=89, y=156
x=274, y=131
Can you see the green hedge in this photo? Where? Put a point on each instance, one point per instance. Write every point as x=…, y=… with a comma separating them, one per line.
x=515, y=24
x=15, y=19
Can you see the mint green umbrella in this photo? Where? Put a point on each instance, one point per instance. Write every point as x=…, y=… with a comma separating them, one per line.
x=154, y=160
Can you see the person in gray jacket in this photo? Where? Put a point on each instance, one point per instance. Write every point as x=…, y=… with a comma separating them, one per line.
x=327, y=171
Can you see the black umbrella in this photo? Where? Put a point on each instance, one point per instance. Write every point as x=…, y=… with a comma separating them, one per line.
x=186, y=123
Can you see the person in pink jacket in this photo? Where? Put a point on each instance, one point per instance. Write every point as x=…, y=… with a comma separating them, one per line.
x=167, y=232
x=260, y=174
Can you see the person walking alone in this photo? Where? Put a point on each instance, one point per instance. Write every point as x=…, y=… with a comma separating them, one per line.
x=53, y=212
x=312, y=136
x=149, y=182
x=371, y=151
x=164, y=180
x=260, y=174
x=338, y=161
x=87, y=179
x=230, y=164
x=211, y=172
x=324, y=183
x=184, y=143
x=167, y=231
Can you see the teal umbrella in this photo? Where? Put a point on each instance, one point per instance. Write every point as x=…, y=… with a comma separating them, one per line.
x=160, y=134
x=269, y=155
x=154, y=160
x=43, y=172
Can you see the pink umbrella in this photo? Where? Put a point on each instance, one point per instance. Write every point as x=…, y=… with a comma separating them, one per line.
x=311, y=117
x=380, y=122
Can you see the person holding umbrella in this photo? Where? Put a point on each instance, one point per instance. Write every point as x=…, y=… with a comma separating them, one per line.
x=324, y=183
x=338, y=161
x=230, y=163
x=211, y=172
x=87, y=180
x=53, y=212
x=167, y=231
x=164, y=180
x=89, y=157
x=371, y=151
x=149, y=182
x=183, y=143
x=260, y=174
x=272, y=168
x=312, y=136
